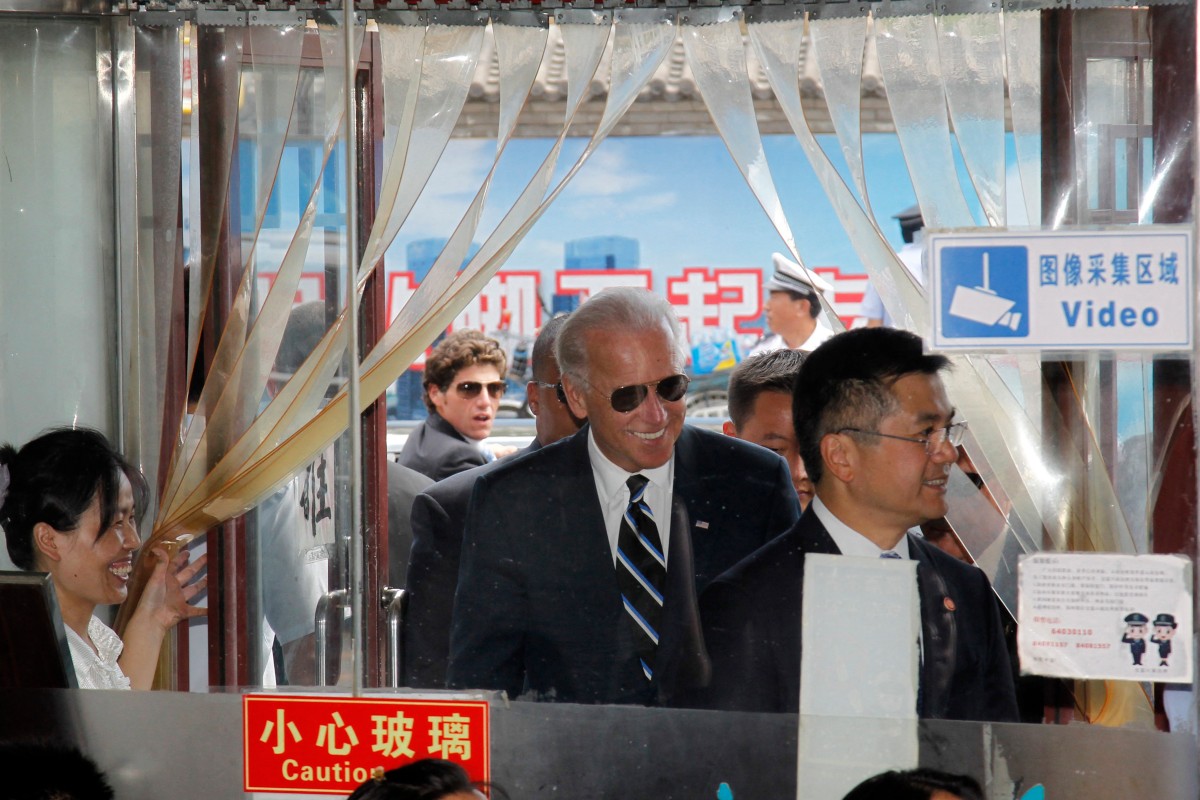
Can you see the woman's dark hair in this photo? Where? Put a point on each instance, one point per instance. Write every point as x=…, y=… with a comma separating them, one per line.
x=427, y=779
x=53, y=479
x=916, y=784
x=46, y=770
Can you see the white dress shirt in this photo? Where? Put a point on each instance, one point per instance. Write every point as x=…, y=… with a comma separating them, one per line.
x=614, y=494
x=850, y=541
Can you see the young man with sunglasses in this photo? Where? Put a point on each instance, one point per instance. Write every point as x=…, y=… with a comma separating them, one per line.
x=581, y=562
x=439, y=516
x=878, y=434
x=464, y=381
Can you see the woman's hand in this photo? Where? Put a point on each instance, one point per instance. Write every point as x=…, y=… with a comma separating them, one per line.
x=167, y=597
x=166, y=601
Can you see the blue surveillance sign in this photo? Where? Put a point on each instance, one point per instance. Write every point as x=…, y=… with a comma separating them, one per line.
x=1062, y=291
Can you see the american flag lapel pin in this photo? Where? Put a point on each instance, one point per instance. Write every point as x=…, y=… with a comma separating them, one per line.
x=701, y=524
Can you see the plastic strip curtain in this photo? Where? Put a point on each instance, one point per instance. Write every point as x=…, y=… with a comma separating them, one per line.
x=1032, y=487
x=716, y=54
x=237, y=376
x=157, y=59
x=278, y=444
x=974, y=385
x=259, y=103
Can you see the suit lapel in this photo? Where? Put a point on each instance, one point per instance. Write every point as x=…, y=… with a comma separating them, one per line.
x=682, y=662
x=939, y=632
x=687, y=489
x=579, y=488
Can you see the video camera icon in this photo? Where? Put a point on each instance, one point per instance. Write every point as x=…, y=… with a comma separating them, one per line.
x=981, y=304
x=985, y=292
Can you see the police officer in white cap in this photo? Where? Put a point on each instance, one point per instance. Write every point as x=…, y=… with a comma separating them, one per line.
x=793, y=309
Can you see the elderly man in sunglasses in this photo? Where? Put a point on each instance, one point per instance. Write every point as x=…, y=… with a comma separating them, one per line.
x=464, y=381
x=878, y=435
x=582, y=561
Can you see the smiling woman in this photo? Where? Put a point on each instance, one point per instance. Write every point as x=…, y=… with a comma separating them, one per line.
x=69, y=506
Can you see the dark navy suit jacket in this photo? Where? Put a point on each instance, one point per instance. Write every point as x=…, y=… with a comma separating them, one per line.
x=435, y=449
x=752, y=619
x=538, y=611
x=439, y=516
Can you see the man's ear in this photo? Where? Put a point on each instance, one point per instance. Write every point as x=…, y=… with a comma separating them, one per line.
x=532, y=398
x=576, y=398
x=728, y=429
x=837, y=455
x=46, y=541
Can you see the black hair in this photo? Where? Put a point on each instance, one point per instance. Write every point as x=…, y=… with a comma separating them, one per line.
x=302, y=333
x=846, y=383
x=427, y=779
x=50, y=771
x=915, y=784
x=543, y=347
x=767, y=372
x=54, y=478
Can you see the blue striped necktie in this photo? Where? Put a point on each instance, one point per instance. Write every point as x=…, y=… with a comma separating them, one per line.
x=641, y=572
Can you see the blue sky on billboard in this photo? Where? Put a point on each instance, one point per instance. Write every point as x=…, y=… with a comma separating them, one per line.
x=681, y=197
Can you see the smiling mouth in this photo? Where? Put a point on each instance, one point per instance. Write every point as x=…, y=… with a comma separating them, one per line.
x=121, y=569
x=650, y=437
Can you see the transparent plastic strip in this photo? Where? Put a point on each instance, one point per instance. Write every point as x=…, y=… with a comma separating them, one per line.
x=441, y=79
x=160, y=243
x=1023, y=69
x=716, y=55
x=971, y=49
x=908, y=48
x=838, y=46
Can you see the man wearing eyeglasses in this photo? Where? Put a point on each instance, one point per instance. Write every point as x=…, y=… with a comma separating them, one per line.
x=439, y=516
x=464, y=381
x=582, y=561
x=878, y=434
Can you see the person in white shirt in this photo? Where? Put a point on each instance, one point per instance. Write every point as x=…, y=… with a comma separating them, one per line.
x=912, y=230
x=793, y=309
x=68, y=506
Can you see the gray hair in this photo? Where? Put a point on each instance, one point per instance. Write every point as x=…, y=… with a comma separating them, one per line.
x=617, y=308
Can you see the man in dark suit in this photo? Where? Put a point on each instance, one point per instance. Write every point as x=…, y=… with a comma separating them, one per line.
x=439, y=516
x=403, y=487
x=464, y=381
x=876, y=430
x=581, y=561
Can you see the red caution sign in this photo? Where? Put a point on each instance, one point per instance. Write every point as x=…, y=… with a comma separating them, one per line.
x=329, y=745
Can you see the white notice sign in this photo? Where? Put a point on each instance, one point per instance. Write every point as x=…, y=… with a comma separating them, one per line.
x=1062, y=290
x=1098, y=615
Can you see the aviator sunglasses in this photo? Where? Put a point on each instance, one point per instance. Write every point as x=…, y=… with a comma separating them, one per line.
x=670, y=389
x=471, y=389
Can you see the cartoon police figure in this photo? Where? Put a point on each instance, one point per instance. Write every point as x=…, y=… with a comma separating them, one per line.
x=1164, y=631
x=1135, y=636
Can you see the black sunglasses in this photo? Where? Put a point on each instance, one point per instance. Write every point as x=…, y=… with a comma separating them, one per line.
x=471, y=389
x=670, y=389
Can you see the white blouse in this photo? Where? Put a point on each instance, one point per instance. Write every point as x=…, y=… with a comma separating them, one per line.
x=97, y=669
